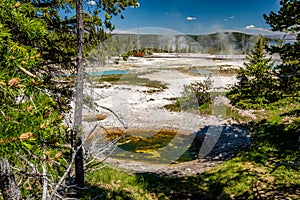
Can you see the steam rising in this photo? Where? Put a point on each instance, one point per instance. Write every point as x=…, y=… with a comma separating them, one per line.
x=169, y=41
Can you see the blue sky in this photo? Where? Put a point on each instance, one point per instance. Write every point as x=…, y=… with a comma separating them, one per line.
x=199, y=16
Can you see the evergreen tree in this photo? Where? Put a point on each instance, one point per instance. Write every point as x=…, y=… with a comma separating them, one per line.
x=36, y=44
x=31, y=127
x=287, y=20
x=256, y=84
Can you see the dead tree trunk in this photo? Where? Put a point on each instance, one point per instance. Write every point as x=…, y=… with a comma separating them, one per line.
x=79, y=171
x=8, y=186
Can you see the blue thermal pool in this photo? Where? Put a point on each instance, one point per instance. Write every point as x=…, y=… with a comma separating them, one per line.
x=108, y=72
x=200, y=71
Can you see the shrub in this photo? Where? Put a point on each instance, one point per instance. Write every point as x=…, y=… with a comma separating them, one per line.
x=195, y=95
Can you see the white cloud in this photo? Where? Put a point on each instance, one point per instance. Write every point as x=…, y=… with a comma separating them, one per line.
x=229, y=18
x=93, y=3
x=191, y=18
x=136, y=6
x=250, y=26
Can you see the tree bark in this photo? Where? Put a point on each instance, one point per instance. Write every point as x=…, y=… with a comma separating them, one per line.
x=8, y=186
x=79, y=172
x=45, y=180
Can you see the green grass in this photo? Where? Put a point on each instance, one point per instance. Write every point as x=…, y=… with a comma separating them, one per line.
x=246, y=176
x=112, y=183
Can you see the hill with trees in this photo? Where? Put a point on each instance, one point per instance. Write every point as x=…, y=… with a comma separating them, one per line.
x=215, y=43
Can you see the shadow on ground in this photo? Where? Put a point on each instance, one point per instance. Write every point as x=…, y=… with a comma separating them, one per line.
x=217, y=143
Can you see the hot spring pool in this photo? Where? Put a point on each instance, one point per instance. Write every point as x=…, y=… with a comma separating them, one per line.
x=153, y=146
x=101, y=73
x=200, y=71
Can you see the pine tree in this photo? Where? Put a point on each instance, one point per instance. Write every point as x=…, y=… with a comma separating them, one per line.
x=31, y=127
x=36, y=44
x=287, y=20
x=255, y=86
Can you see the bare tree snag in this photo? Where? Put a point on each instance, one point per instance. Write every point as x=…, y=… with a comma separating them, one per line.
x=79, y=170
x=8, y=186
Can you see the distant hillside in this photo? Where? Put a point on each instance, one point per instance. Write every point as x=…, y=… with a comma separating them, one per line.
x=234, y=43
x=235, y=36
x=226, y=42
x=216, y=43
